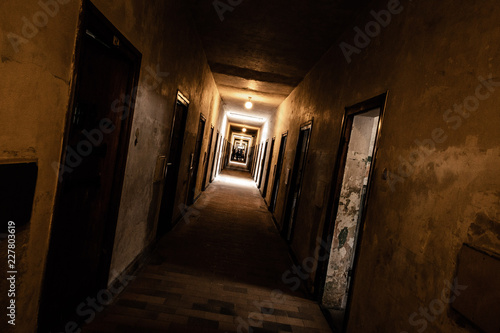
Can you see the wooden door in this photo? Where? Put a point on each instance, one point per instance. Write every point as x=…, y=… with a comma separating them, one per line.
x=214, y=160
x=193, y=172
x=277, y=173
x=173, y=165
x=292, y=203
x=263, y=164
x=207, y=162
x=268, y=170
x=91, y=175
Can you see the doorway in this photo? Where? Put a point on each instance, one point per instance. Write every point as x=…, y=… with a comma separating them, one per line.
x=352, y=178
x=227, y=154
x=173, y=164
x=239, y=151
x=263, y=164
x=207, y=162
x=257, y=163
x=195, y=161
x=255, y=152
x=292, y=202
x=219, y=156
x=268, y=170
x=214, y=160
x=91, y=175
x=278, y=169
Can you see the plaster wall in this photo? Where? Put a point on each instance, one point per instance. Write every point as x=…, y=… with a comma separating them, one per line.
x=155, y=29
x=35, y=90
x=436, y=177
x=354, y=182
x=34, y=94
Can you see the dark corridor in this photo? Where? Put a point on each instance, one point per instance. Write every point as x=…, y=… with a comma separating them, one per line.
x=223, y=268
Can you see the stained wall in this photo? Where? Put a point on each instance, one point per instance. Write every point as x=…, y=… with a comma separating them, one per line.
x=436, y=176
x=34, y=94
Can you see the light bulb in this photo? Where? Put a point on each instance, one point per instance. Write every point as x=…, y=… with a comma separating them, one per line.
x=249, y=104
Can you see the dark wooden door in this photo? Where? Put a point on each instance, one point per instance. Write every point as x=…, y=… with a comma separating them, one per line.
x=254, y=157
x=277, y=173
x=263, y=164
x=219, y=156
x=173, y=166
x=91, y=177
x=257, y=163
x=268, y=170
x=193, y=172
x=214, y=160
x=293, y=199
x=227, y=153
x=207, y=162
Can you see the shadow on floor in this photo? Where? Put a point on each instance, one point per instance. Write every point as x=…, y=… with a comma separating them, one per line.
x=219, y=270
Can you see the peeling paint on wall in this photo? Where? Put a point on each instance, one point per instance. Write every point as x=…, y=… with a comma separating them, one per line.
x=349, y=210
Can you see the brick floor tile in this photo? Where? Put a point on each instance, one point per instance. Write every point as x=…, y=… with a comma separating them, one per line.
x=215, y=274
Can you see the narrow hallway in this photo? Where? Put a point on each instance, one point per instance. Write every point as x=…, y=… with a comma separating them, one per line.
x=219, y=270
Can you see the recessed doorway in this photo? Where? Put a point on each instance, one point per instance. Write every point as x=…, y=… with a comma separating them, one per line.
x=277, y=173
x=352, y=176
x=195, y=161
x=207, y=161
x=299, y=165
x=263, y=164
x=173, y=164
x=92, y=169
x=268, y=169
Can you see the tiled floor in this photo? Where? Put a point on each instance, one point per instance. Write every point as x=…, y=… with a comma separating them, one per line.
x=219, y=270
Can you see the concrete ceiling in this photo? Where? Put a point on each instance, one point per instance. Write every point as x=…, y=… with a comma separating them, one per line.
x=238, y=129
x=264, y=48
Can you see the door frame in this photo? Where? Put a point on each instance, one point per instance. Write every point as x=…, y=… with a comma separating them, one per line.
x=219, y=156
x=268, y=169
x=276, y=181
x=258, y=163
x=255, y=152
x=160, y=231
x=227, y=150
x=193, y=177
x=207, y=161
x=90, y=15
x=263, y=163
x=379, y=101
x=179, y=97
x=287, y=225
x=212, y=169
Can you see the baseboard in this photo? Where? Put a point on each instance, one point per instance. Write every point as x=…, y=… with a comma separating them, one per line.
x=276, y=224
x=136, y=264
x=196, y=199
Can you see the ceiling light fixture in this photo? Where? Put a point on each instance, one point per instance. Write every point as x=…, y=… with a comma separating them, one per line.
x=249, y=104
x=244, y=130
